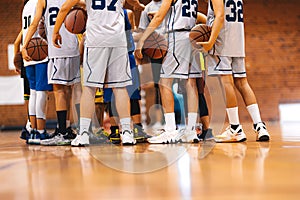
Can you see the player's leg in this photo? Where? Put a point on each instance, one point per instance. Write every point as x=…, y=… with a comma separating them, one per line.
x=123, y=108
x=42, y=88
x=252, y=107
x=222, y=66
x=31, y=76
x=27, y=128
x=156, y=68
x=135, y=96
x=206, y=132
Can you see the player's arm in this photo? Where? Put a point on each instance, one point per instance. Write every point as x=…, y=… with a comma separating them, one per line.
x=33, y=27
x=201, y=18
x=137, y=6
x=155, y=22
x=17, y=44
x=217, y=25
x=65, y=8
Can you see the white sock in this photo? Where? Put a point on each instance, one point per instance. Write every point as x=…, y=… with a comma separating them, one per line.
x=125, y=123
x=170, y=121
x=41, y=131
x=84, y=125
x=254, y=113
x=233, y=115
x=192, y=120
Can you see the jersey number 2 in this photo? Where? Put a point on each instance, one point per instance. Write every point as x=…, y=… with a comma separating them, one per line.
x=236, y=13
x=189, y=6
x=100, y=5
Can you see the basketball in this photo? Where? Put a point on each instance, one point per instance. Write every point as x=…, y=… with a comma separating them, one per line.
x=37, y=49
x=155, y=46
x=200, y=33
x=18, y=61
x=41, y=29
x=75, y=20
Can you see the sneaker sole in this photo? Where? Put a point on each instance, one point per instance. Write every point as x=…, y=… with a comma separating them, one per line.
x=263, y=138
x=230, y=141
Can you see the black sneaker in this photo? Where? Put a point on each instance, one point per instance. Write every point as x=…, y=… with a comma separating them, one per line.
x=206, y=135
x=70, y=134
x=140, y=135
x=24, y=134
x=114, y=137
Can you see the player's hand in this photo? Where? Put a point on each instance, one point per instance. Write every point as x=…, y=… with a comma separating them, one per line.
x=151, y=14
x=56, y=40
x=138, y=51
x=139, y=7
x=25, y=55
x=17, y=71
x=205, y=46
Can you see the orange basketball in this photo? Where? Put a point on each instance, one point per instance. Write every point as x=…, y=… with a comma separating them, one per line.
x=37, y=49
x=200, y=33
x=155, y=46
x=75, y=21
x=18, y=61
x=41, y=29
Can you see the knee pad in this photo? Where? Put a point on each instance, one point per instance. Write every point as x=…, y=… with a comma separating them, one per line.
x=32, y=103
x=41, y=102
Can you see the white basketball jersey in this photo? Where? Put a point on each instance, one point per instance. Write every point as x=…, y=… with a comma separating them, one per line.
x=28, y=14
x=153, y=6
x=69, y=46
x=182, y=15
x=231, y=40
x=105, y=24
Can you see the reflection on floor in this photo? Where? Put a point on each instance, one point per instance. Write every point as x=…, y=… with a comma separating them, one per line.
x=209, y=170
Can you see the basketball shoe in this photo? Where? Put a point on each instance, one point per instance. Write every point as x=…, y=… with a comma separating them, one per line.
x=232, y=135
x=59, y=139
x=140, y=135
x=114, y=137
x=261, y=131
x=98, y=138
x=81, y=140
x=127, y=137
x=206, y=135
x=34, y=137
x=188, y=136
x=165, y=137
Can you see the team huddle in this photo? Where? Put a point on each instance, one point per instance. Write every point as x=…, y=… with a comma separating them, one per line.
x=109, y=57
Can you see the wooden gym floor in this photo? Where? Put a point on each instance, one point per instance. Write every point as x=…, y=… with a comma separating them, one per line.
x=249, y=170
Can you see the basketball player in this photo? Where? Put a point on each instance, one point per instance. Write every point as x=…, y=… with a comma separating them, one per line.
x=145, y=18
x=25, y=133
x=179, y=17
x=226, y=58
x=63, y=67
x=36, y=72
x=105, y=62
x=133, y=92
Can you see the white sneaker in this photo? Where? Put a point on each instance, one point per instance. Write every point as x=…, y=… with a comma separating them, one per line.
x=165, y=137
x=188, y=136
x=127, y=137
x=231, y=135
x=81, y=140
x=261, y=131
